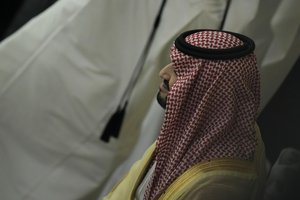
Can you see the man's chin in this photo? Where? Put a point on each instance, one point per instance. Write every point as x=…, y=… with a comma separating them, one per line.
x=161, y=100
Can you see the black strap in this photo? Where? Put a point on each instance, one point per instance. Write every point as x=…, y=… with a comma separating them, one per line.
x=225, y=15
x=114, y=125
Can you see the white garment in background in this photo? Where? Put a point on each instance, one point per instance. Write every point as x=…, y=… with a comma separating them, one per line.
x=61, y=77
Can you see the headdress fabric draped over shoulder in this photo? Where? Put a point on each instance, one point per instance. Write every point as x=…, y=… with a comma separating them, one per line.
x=212, y=107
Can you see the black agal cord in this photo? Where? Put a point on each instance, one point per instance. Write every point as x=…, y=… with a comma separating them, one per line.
x=115, y=123
x=212, y=54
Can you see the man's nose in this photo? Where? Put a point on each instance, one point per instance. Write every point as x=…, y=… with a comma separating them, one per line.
x=164, y=75
x=165, y=72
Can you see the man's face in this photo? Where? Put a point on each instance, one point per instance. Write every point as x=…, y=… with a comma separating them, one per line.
x=169, y=77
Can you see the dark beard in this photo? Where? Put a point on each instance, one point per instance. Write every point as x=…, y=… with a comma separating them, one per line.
x=161, y=101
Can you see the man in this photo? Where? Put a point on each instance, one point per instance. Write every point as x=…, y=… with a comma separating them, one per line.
x=209, y=146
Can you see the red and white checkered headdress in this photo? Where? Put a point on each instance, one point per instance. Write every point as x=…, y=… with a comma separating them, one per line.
x=212, y=107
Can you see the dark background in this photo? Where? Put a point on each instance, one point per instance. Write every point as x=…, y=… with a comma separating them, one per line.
x=280, y=120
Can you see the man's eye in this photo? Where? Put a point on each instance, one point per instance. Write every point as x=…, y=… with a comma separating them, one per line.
x=166, y=83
